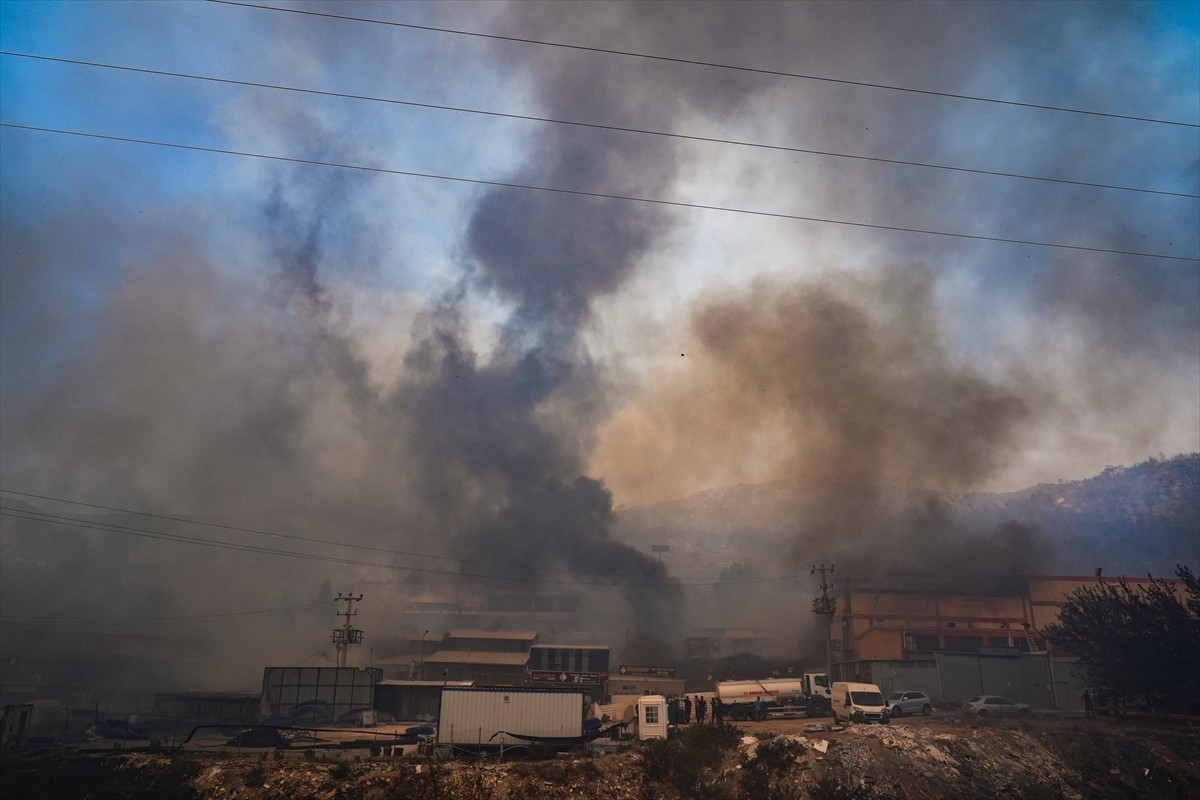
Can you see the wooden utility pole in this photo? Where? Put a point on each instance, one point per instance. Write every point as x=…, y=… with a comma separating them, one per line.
x=346, y=635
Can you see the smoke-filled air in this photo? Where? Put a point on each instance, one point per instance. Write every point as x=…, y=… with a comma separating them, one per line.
x=436, y=301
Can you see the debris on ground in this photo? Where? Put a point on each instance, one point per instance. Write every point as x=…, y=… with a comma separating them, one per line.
x=953, y=758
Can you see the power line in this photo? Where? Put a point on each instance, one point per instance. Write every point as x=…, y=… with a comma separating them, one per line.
x=271, y=534
x=14, y=619
x=595, y=126
x=698, y=63
x=58, y=519
x=274, y=534
x=125, y=530
x=305, y=661
x=599, y=195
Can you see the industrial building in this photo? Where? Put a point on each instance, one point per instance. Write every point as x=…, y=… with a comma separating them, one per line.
x=952, y=645
x=884, y=624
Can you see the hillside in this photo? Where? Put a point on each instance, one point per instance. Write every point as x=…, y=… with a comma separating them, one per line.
x=1129, y=520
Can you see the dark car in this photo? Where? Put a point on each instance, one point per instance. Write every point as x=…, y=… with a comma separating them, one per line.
x=902, y=703
x=257, y=737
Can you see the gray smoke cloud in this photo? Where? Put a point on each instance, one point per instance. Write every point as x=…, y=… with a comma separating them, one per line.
x=479, y=373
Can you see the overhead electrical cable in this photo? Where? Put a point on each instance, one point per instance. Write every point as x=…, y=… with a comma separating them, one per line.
x=125, y=530
x=712, y=64
x=594, y=125
x=259, y=532
x=599, y=195
x=240, y=547
x=8, y=619
x=310, y=659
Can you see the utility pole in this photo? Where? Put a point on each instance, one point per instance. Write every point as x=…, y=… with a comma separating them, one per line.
x=825, y=606
x=346, y=635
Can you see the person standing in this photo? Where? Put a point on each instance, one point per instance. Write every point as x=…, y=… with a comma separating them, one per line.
x=687, y=710
x=760, y=711
x=718, y=712
x=700, y=709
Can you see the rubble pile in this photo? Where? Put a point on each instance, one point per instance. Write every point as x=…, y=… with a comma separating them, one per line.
x=1004, y=763
x=949, y=759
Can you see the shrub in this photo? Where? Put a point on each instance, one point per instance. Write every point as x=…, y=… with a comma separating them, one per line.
x=685, y=761
x=255, y=776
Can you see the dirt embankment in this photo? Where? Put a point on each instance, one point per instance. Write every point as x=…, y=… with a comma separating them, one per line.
x=941, y=757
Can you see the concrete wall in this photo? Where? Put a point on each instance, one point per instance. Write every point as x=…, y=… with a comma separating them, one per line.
x=1025, y=678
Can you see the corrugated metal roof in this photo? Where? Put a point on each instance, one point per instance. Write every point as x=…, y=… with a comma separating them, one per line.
x=469, y=634
x=444, y=684
x=477, y=657
x=570, y=647
x=520, y=689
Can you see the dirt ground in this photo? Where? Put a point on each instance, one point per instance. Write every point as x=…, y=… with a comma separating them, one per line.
x=943, y=756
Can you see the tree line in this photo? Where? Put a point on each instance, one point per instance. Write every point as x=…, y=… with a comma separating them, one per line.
x=1136, y=643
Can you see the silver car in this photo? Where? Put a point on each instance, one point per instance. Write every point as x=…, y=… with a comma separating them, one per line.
x=990, y=705
x=901, y=703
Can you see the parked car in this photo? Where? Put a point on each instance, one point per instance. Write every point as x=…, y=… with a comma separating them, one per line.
x=257, y=737
x=993, y=705
x=901, y=703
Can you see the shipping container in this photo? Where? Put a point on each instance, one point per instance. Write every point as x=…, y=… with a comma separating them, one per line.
x=505, y=716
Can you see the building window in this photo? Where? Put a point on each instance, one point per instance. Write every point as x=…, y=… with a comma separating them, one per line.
x=923, y=644
x=651, y=715
x=963, y=644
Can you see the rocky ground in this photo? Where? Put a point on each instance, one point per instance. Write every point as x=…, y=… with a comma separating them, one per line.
x=945, y=756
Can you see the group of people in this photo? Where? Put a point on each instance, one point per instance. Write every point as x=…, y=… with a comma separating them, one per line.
x=683, y=707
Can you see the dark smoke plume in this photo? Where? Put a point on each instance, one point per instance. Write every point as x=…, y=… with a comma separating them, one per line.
x=849, y=389
x=254, y=343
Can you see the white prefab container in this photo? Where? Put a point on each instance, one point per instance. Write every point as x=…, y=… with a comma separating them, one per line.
x=485, y=716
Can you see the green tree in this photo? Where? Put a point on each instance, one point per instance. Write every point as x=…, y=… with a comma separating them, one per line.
x=1136, y=641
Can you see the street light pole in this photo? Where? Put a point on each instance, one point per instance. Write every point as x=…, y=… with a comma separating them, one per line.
x=421, y=669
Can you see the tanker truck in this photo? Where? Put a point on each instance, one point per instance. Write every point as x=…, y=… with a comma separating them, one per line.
x=809, y=693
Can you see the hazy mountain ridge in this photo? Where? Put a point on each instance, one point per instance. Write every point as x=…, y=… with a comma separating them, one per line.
x=1129, y=520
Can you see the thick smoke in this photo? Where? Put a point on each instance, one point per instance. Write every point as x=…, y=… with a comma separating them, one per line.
x=847, y=389
x=550, y=257
x=256, y=344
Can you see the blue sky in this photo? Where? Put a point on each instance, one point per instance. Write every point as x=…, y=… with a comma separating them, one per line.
x=400, y=240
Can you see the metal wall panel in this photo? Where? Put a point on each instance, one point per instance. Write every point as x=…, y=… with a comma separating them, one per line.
x=1003, y=676
x=960, y=676
x=1023, y=677
x=326, y=692
x=478, y=715
x=897, y=676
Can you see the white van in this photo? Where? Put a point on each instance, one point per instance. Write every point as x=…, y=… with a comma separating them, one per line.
x=859, y=702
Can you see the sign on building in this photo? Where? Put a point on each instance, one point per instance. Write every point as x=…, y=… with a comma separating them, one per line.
x=647, y=672
x=564, y=677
